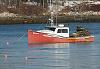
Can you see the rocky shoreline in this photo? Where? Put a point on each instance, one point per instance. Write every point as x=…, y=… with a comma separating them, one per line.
x=44, y=19
x=33, y=12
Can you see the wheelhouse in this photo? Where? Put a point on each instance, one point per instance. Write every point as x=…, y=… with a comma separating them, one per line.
x=60, y=31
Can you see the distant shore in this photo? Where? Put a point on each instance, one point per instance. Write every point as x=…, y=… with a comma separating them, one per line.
x=44, y=19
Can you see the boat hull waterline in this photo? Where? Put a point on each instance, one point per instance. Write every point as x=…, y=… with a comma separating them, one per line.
x=38, y=37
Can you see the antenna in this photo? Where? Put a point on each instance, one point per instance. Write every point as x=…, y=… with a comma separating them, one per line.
x=56, y=11
x=52, y=13
x=43, y=3
x=28, y=0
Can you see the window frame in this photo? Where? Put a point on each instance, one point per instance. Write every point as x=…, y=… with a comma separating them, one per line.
x=62, y=31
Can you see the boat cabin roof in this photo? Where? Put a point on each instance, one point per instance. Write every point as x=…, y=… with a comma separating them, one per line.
x=59, y=30
x=57, y=27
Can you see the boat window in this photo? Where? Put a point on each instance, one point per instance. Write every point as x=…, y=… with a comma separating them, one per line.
x=62, y=31
x=52, y=29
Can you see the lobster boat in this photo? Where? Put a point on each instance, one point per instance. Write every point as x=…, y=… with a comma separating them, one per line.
x=59, y=34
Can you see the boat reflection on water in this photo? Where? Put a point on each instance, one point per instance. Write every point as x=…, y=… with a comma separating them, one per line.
x=50, y=55
x=49, y=45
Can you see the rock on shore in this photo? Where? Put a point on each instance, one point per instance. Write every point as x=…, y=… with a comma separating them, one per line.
x=44, y=19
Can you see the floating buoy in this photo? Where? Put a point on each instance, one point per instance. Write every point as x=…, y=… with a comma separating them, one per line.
x=5, y=56
x=26, y=58
x=7, y=43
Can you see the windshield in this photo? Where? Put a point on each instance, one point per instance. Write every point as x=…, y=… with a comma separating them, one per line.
x=62, y=31
x=50, y=28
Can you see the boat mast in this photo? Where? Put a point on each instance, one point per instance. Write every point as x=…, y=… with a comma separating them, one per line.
x=56, y=10
x=51, y=12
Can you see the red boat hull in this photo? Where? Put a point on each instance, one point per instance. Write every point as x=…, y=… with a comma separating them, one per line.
x=37, y=37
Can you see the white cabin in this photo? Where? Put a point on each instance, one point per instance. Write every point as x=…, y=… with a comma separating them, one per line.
x=57, y=31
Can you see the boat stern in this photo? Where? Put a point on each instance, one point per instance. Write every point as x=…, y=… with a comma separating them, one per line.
x=30, y=32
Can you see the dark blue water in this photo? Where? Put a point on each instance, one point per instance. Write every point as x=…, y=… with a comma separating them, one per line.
x=16, y=54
